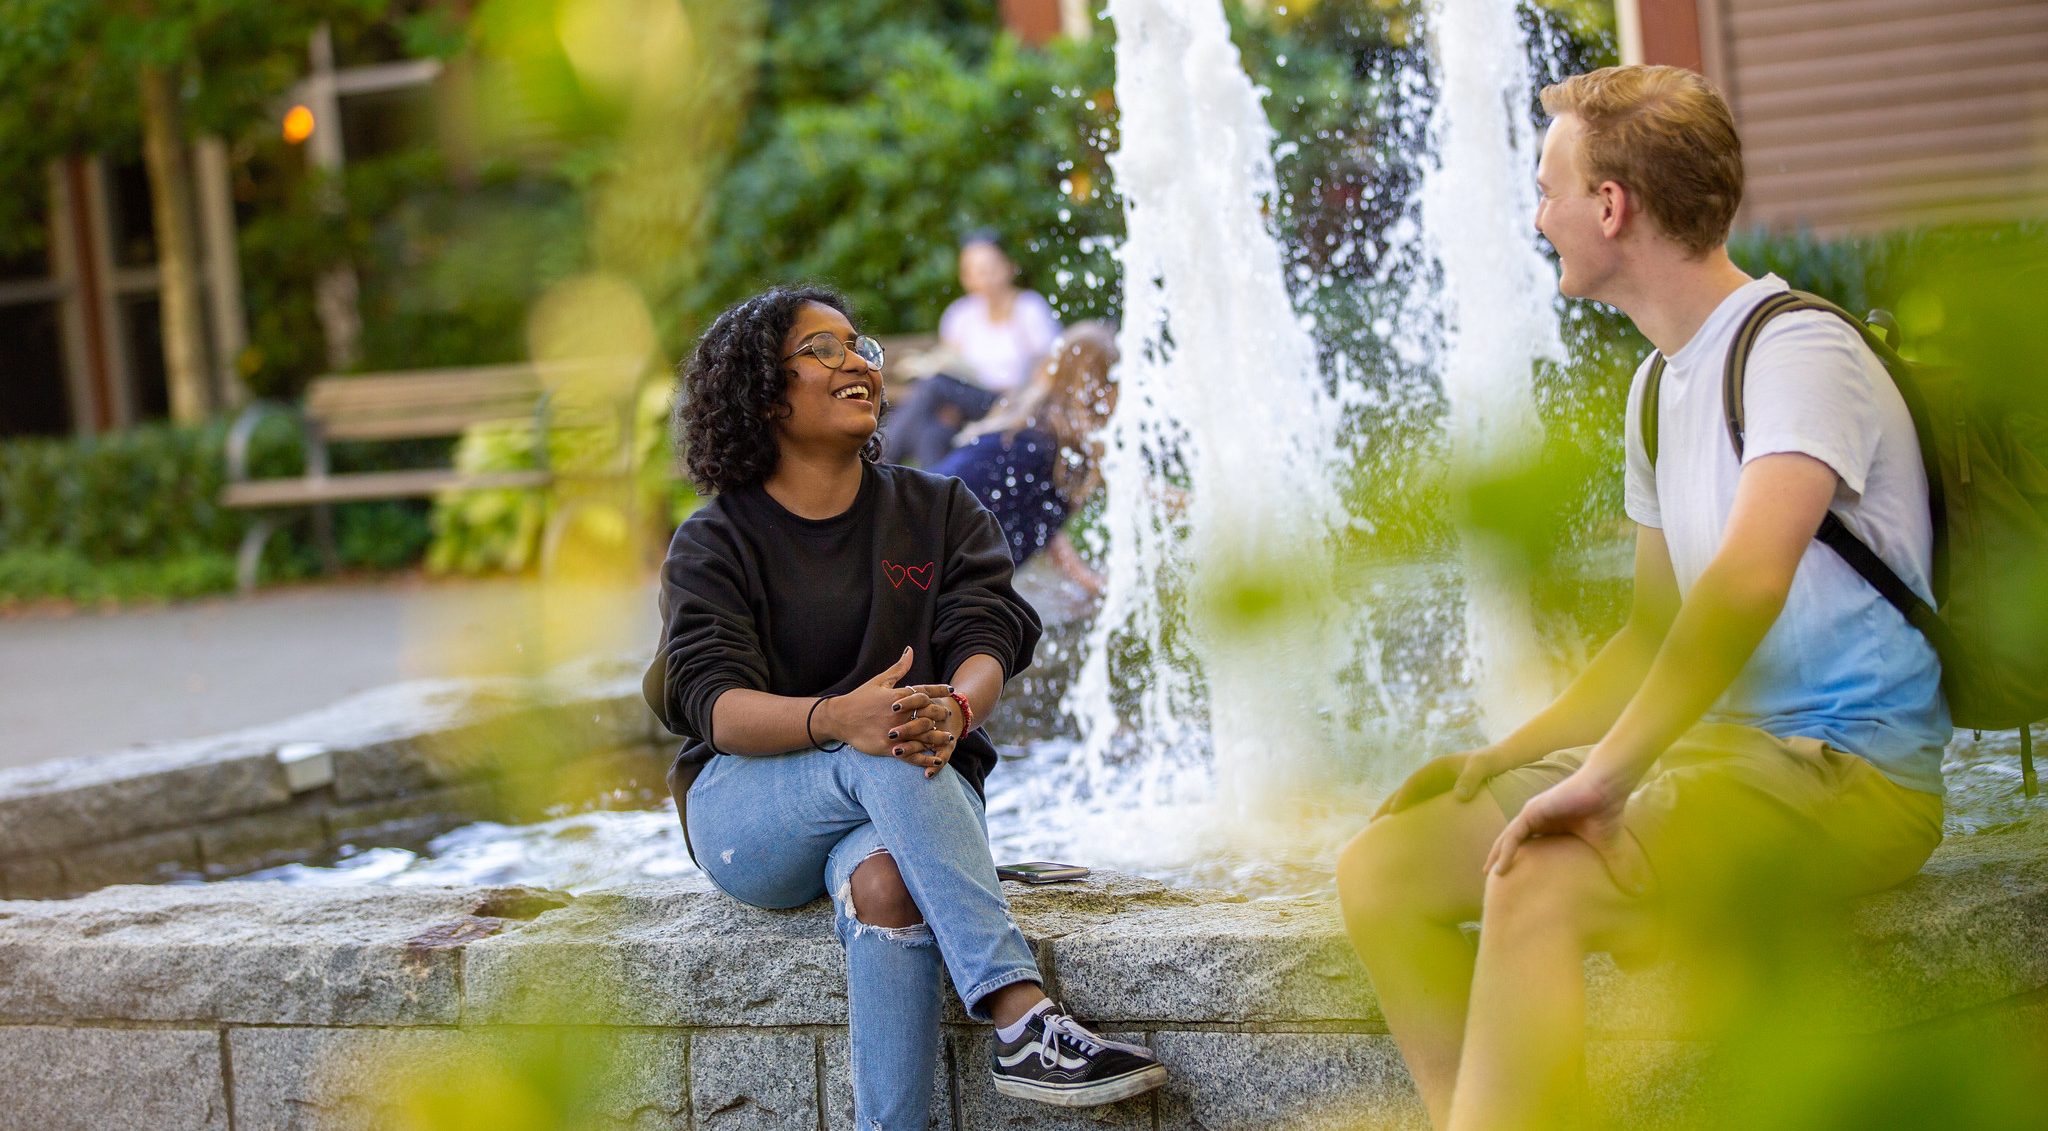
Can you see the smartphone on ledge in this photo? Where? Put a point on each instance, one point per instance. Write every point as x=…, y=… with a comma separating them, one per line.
x=1040, y=872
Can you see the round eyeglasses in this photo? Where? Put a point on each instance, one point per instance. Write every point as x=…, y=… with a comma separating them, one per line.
x=831, y=352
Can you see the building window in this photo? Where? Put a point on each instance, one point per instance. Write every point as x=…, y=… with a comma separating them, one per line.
x=142, y=336
x=130, y=221
x=32, y=398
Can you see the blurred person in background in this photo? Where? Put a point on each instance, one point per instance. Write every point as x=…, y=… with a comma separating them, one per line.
x=1763, y=738
x=1034, y=460
x=997, y=331
x=834, y=633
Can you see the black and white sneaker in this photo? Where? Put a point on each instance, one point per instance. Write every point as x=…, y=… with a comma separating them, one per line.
x=1056, y=1061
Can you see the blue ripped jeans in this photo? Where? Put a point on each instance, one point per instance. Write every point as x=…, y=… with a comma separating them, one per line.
x=781, y=830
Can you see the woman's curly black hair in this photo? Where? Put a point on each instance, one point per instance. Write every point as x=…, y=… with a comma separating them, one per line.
x=732, y=390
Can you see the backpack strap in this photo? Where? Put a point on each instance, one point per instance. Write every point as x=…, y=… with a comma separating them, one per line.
x=1865, y=561
x=1731, y=375
x=1652, y=384
x=1746, y=334
x=1833, y=533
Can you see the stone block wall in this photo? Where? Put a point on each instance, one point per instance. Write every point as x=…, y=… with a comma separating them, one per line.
x=669, y=1006
x=662, y=1005
x=396, y=766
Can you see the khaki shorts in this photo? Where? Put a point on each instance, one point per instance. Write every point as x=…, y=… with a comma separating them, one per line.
x=1730, y=815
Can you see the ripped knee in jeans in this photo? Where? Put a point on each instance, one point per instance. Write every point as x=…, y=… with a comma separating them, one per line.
x=874, y=899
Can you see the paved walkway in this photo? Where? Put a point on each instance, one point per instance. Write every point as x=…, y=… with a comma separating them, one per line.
x=89, y=683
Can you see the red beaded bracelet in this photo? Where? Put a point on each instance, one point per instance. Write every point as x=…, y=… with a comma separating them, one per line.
x=966, y=713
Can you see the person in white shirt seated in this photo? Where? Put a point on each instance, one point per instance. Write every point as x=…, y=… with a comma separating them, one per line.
x=1763, y=737
x=997, y=331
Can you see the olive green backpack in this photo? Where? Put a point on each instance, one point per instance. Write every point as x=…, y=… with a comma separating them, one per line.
x=1988, y=494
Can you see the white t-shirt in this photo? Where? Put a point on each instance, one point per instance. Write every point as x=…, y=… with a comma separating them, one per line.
x=1840, y=664
x=1002, y=353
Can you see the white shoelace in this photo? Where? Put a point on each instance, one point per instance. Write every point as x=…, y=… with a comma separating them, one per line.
x=1058, y=1026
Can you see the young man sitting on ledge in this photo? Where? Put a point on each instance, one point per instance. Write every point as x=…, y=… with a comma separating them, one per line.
x=1765, y=726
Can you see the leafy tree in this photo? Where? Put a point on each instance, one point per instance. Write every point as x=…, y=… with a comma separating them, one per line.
x=106, y=74
x=633, y=102
x=870, y=193
x=886, y=129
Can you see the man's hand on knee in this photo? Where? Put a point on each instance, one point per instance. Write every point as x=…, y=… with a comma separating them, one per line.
x=1585, y=806
x=1461, y=775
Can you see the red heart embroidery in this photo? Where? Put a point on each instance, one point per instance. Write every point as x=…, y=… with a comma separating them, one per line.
x=920, y=576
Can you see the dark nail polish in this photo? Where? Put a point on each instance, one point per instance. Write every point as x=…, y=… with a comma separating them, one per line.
x=892, y=734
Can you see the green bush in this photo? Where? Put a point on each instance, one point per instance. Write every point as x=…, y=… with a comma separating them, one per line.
x=447, y=264
x=865, y=176
x=146, y=493
x=870, y=193
x=66, y=575
x=489, y=531
x=136, y=514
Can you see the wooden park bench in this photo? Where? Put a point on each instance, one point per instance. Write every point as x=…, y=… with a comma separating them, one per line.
x=900, y=353
x=400, y=406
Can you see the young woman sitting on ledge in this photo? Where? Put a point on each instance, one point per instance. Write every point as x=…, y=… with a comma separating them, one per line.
x=834, y=633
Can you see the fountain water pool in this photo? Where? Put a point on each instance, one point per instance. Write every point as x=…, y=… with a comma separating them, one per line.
x=605, y=848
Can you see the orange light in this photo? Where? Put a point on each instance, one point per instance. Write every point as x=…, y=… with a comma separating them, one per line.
x=298, y=124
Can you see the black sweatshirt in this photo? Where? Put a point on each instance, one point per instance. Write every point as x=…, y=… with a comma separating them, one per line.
x=753, y=596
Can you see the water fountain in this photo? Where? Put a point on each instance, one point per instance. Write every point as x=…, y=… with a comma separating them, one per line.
x=1223, y=406
x=1498, y=319
x=1226, y=619
x=1219, y=691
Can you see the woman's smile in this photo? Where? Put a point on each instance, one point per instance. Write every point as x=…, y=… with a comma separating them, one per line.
x=861, y=389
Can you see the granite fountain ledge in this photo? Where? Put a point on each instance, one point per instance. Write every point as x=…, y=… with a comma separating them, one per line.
x=410, y=759
x=262, y=1006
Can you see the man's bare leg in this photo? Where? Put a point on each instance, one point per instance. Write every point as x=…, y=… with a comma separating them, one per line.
x=1407, y=882
x=1525, y=1036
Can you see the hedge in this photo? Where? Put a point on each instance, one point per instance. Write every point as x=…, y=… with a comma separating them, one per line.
x=135, y=515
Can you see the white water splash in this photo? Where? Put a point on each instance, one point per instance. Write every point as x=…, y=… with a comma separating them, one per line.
x=1187, y=697
x=1220, y=495
x=1496, y=302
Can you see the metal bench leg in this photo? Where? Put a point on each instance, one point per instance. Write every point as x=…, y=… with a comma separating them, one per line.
x=250, y=558
x=323, y=536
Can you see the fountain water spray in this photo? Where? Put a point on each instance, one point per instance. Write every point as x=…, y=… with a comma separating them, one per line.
x=1220, y=491
x=1496, y=307
x=1210, y=667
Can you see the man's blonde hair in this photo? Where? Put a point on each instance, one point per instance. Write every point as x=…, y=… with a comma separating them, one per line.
x=1665, y=134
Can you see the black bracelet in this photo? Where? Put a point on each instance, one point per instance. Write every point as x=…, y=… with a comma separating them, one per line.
x=807, y=726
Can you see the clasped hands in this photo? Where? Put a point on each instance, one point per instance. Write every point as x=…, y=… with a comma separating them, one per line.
x=917, y=724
